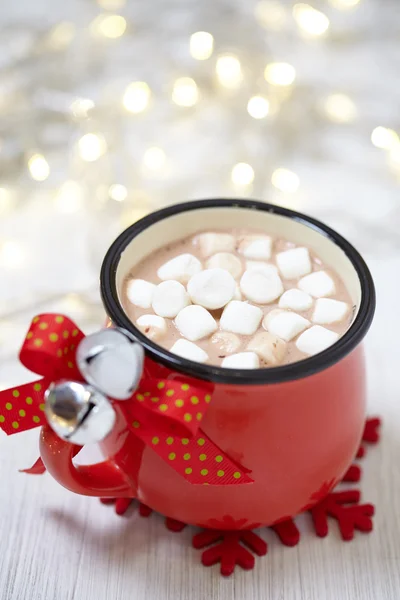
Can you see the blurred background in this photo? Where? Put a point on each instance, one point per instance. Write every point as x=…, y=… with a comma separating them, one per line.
x=110, y=109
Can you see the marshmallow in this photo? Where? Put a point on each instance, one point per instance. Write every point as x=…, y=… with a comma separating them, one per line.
x=225, y=342
x=189, y=350
x=255, y=246
x=195, y=323
x=268, y=347
x=272, y=314
x=261, y=267
x=169, y=298
x=316, y=339
x=210, y=243
x=285, y=324
x=227, y=261
x=329, y=311
x=295, y=300
x=261, y=288
x=240, y=317
x=294, y=263
x=152, y=326
x=317, y=284
x=181, y=268
x=242, y=360
x=212, y=288
x=140, y=292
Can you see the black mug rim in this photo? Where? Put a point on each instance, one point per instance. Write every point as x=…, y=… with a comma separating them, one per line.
x=292, y=371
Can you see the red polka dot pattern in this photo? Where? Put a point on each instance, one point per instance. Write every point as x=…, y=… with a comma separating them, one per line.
x=43, y=352
x=166, y=416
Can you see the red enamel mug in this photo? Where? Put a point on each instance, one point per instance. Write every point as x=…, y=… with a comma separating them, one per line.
x=296, y=427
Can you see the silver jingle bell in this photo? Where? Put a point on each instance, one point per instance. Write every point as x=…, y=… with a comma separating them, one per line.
x=78, y=413
x=112, y=361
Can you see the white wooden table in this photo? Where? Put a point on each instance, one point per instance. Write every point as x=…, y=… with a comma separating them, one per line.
x=55, y=545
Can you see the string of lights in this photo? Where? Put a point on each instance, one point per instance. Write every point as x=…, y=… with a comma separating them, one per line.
x=94, y=131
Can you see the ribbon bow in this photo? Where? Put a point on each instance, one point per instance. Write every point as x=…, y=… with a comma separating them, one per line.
x=164, y=415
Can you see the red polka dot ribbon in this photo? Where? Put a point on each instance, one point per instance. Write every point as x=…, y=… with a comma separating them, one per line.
x=164, y=415
x=48, y=350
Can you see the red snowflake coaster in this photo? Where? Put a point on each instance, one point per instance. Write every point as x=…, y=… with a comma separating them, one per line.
x=229, y=548
x=239, y=548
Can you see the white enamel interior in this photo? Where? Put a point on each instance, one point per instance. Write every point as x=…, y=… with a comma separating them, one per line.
x=207, y=219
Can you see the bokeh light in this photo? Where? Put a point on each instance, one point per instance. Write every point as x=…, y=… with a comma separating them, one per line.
x=109, y=26
x=242, y=174
x=201, y=45
x=92, y=146
x=280, y=73
x=285, y=180
x=340, y=108
x=118, y=192
x=310, y=21
x=383, y=137
x=185, y=92
x=258, y=107
x=38, y=167
x=136, y=97
x=229, y=71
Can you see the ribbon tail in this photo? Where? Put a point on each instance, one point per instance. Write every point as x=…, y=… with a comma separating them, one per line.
x=22, y=407
x=36, y=469
x=197, y=459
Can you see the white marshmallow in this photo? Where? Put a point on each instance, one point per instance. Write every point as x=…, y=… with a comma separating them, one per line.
x=169, y=298
x=255, y=246
x=317, y=284
x=181, y=268
x=225, y=342
x=261, y=267
x=268, y=347
x=152, y=326
x=195, y=323
x=329, y=311
x=294, y=263
x=140, y=292
x=242, y=360
x=271, y=315
x=210, y=243
x=189, y=350
x=285, y=324
x=227, y=261
x=261, y=288
x=212, y=288
x=295, y=300
x=241, y=317
x=316, y=339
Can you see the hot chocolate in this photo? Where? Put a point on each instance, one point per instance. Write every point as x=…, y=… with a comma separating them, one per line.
x=237, y=299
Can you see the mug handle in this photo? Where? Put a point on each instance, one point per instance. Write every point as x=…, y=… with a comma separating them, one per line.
x=103, y=479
